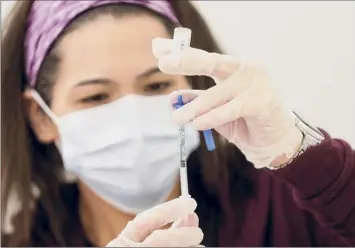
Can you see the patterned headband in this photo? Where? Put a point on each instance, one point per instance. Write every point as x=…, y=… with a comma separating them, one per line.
x=47, y=20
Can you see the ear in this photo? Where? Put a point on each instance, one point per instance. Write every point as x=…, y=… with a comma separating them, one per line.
x=42, y=126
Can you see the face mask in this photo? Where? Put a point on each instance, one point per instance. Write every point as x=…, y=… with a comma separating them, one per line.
x=126, y=151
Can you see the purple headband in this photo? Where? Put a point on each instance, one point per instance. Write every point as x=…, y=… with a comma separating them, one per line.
x=47, y=20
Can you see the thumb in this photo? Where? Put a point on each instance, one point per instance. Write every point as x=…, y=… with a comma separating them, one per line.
x=145, y=223
x=190, y=220
x=162, y=47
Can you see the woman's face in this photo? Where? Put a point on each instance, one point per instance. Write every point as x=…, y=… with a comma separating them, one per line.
x=104, y=60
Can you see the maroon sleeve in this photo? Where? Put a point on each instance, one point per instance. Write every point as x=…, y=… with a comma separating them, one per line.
x=323, y=179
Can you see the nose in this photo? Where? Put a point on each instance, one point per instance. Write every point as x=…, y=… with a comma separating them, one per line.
x=126, y=89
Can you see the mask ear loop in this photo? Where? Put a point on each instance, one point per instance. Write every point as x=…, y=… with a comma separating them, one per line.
x=68, y=177
x=44, y=106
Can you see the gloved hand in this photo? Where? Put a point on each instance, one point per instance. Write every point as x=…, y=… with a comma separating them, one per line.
x=243, y=105
x=144, y=231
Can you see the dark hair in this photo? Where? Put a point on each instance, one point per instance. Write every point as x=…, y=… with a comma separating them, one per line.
x=25, y=161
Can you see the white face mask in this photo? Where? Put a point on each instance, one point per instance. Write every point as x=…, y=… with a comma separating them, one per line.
x=126, y=151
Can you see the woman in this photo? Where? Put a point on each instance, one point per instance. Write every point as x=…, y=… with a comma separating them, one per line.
x=77, y=76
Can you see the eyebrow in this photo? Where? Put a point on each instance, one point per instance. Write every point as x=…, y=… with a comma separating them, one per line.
x=94, y=81
x=148, y=72
x=106, y=81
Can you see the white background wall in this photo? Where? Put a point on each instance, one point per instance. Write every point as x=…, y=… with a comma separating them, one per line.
x=308, y=47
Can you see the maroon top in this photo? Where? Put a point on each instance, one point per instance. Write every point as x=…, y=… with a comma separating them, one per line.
x=311, y=202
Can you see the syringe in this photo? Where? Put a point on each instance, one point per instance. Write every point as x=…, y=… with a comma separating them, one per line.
x=182, y=39
x=183, y=164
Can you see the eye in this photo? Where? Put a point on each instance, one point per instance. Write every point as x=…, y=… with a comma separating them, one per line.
x=157, y=87
x=97, y=98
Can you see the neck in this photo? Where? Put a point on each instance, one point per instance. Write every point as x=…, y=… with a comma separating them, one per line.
x=101, y=221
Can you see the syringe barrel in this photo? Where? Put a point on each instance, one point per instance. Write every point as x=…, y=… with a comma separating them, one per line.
x=184, y=182
x=183, y=155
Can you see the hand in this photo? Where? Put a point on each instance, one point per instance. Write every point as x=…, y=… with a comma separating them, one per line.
x=144, y=231
x=243, y=105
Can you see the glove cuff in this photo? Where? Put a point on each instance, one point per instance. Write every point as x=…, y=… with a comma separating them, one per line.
x=287, y=147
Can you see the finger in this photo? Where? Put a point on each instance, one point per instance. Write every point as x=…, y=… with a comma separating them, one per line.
x=194, y=61
x=177, y=237
x=187, y=95
x=205, y=102
x=161, y=47
x=121, y=241
x=218, y=95
x=224, y=65
x=189, y=221
x=161, y=215
x=223, y=114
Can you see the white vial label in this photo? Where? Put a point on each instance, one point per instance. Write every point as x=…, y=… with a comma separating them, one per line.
x=182, y=38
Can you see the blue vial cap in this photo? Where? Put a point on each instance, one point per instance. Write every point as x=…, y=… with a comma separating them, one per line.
x=179, y=103
x=206, y=133
x=209, y=140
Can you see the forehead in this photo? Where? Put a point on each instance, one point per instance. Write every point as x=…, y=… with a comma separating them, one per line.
x=110, y=45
